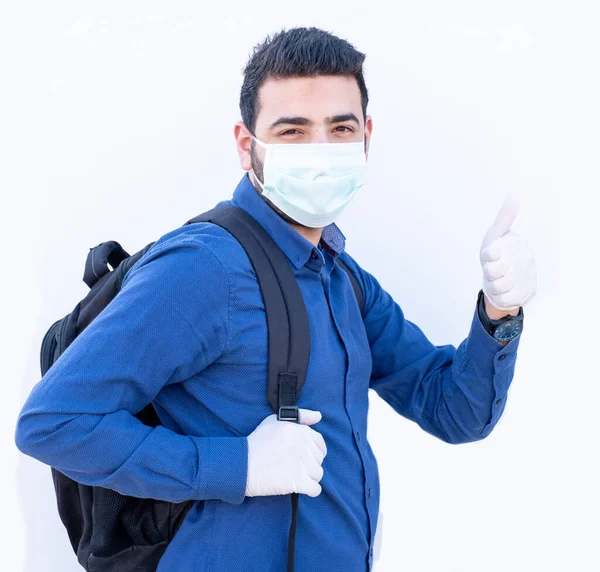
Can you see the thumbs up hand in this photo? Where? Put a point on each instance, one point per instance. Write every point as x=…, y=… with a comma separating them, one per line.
x=509, y=274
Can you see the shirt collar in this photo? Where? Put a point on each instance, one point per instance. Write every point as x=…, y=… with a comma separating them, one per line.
x=297, y=248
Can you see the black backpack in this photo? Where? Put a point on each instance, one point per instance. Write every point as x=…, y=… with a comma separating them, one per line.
x=113, y=532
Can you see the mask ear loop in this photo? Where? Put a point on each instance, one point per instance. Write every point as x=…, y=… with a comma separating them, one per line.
x=263, y=145
x=256, y=179
x=266, y=147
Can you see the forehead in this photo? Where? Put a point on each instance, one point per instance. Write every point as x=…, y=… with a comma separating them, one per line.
x=312, y=97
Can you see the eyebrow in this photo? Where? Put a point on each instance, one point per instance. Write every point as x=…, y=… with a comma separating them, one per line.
x=305, y=121
x=291, y=121
x=342, y=118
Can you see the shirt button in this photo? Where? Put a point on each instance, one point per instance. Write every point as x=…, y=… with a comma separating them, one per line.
x=358, y=435
x=503, y=356
x=370, y=491
x=498, y=401
x=371, y=551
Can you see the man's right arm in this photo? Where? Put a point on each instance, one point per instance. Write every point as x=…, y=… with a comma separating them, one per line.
x=169, y=321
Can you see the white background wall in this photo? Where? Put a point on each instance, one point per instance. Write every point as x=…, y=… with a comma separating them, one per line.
x=116, y=122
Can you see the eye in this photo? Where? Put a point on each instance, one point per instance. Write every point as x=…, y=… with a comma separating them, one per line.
x=345, y=128
x=290, y=132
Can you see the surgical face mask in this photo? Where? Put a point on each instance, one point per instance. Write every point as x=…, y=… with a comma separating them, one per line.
x=312, y=182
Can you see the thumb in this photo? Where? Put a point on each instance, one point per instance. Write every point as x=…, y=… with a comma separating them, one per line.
x=504, y=219
x=308, y=416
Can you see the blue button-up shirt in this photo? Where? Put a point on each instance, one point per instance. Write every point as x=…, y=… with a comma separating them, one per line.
x=188, y=333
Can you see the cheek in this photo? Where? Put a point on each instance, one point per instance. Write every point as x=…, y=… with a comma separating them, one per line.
x=256, y=161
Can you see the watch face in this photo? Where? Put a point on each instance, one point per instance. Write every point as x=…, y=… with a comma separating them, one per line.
x=508, y=331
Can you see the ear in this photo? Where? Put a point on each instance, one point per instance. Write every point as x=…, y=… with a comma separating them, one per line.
x=243, y=139
x=368, y=132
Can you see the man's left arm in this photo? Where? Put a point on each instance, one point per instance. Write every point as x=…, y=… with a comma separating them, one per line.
x=456, y=394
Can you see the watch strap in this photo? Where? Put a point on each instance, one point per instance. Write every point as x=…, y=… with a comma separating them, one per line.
x=488, y=324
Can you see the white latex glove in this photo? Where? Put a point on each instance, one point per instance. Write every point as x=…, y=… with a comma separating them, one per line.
x=509, y=273
x=285, y=457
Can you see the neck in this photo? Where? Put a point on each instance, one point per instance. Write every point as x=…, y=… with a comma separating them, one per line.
x=311, y=234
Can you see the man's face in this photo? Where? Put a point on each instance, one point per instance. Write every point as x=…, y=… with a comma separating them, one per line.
x=322, y=109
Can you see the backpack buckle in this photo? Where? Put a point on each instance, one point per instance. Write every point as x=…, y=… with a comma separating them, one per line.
x=288, y=413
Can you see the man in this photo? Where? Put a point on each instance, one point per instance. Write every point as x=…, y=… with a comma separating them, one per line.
x=188, y=332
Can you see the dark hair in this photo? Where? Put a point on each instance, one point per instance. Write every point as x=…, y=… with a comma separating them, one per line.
x=299, y=52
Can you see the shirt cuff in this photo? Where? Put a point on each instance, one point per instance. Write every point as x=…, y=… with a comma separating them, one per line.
x=223, y=468
x=498, y=358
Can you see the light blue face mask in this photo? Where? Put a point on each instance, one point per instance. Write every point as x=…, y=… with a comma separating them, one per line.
x=312, y=182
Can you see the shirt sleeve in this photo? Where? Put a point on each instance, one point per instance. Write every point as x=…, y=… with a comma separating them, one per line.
x=169, y=321
x=456, y=394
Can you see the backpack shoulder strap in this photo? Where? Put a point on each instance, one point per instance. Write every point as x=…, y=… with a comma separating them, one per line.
x=287, y=322
x=287, y=318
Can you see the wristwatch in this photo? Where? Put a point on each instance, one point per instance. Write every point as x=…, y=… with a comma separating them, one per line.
x=504, y=329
